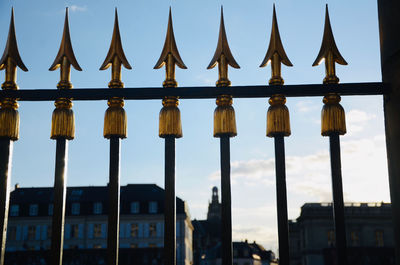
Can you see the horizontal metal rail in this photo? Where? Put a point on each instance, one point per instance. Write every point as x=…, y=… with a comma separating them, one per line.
x=260, y=91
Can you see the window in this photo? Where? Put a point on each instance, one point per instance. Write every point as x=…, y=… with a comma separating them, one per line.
x=133, y=245
x=74, y=232
x=97, y=208
x=51, y=209
x=379, y=238
x=152, y=245
x=12, y=233
x=134, y=230
x=76, y=192
x=75, y=208
x=355, y=240
x=97, y=231
x=331, y=238
x=97, y=246
x=152, y=229
x=14, y=211
x=31, y=232
x=152, y=207
x=135, y=207
x=33, y=209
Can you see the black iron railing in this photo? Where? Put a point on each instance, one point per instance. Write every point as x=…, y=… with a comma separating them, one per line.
x=115, y=126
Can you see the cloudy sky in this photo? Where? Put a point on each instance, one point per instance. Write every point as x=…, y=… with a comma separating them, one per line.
x=143, y=25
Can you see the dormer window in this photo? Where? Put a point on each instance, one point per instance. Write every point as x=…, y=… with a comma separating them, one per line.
x=33, y=210
x=152, y=207
x=14, y=210
x=135, y=207
x=97, y=208
x=51, y=209
x=75, y=208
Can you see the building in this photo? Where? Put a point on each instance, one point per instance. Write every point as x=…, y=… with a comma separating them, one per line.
x=141, y=219
x=369, y=231
x=207, y=241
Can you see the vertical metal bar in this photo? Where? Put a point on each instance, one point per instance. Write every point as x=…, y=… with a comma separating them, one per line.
x=226, y=207
x=113, y=201
x=281, y=200
x=338, y=204
x=389, y=23
x=6, y=147
x=170, y=201
x=60, y=179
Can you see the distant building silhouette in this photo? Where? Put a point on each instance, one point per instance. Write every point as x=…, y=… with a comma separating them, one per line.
x=141, y=220
x=369, y=231
x=207, y=241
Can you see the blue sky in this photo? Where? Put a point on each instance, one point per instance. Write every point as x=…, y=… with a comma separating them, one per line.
x=143, y=26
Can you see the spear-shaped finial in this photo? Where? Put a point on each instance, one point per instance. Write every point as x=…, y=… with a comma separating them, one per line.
x=115, y=119
x=63, y=121
x=11, y=58
x=9, y=116
x=278, y=121
x=170, y=56
x=65, y=58
x=223, y=56
x=333, y=119
x=275, y=53
x=329, y=52
x=115, y=57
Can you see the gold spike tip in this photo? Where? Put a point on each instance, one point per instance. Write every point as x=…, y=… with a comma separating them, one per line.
x=276, y=54
x=223, y=56
x=115, y=57
x=65, y=58
x=170, y=56
x=329, y=52
x=11, y=58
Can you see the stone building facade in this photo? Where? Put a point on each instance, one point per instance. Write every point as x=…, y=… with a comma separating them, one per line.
x=369, y=230
x=141, y=219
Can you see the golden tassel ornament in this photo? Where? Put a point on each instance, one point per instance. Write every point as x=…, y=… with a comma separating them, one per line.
x=332, y=116
x=170, y=118
x=9, y=119
x=333, y=119
x=278, y=121
x=224, y=117
x=115, y=119
x=63, y=120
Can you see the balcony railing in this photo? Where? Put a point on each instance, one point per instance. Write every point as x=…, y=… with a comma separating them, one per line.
x=278, y=125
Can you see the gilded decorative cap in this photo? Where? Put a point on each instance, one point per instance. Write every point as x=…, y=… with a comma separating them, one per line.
x=65, y=49
x=116, y=49
x=11, y=50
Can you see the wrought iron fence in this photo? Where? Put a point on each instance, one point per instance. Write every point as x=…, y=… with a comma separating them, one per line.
x=278, y=124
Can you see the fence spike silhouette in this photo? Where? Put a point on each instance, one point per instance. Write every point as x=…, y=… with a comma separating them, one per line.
x=62, y=129
x=278, y=126
x=115, y=120
x=333, y=124
x=9, y=126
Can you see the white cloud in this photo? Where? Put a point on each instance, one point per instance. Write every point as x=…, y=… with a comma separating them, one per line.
x=365, y=179
x=356, y=120
x=76, y=8
x=306, y=106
